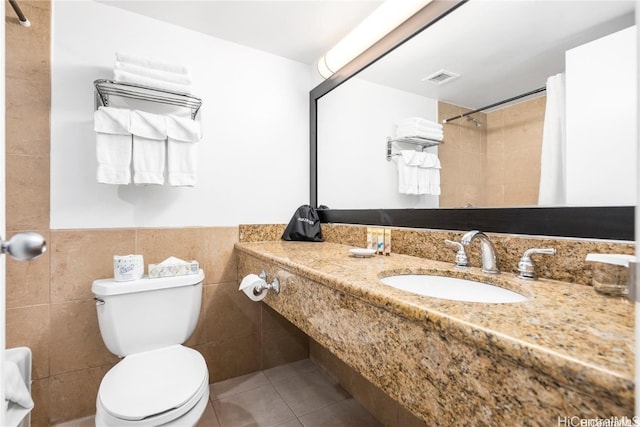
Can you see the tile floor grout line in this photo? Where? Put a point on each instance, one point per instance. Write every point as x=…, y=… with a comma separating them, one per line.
x=321, y=372
x=252, y=388
x=283, y=399
x=215, y=413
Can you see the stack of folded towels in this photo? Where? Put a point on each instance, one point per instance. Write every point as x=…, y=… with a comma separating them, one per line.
x=152, y=73
x=419, y=128
x=127, y=139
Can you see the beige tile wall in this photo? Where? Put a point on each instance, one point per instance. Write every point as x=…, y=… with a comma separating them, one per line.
x=514, y=144
x=464, y=157
x=50, y=306
x=497, y=164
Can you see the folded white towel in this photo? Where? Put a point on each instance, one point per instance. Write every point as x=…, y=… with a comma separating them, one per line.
x=149, y=134
x=126, y=77
x=403, y=132
x=14, y=386
x=182, y=137
x=429, y=175
x=418, y=121
x=418, y=128
x=153, y=63
x=113, y=145
x=152, y=73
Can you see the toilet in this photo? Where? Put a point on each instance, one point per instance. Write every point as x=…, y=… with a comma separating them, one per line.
x=158, y=381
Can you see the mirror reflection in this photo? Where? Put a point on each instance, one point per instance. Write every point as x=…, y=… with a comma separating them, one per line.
x=555, y=84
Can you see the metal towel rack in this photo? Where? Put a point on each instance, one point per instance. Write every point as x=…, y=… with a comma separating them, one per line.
x=106, y=88
x=414, y=140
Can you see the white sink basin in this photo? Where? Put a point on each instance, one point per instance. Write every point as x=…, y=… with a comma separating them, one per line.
x=452, y=288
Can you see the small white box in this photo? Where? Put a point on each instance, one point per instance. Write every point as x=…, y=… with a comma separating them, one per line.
x=173, y=267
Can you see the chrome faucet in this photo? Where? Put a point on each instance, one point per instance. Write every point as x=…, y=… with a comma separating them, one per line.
x=489, y=262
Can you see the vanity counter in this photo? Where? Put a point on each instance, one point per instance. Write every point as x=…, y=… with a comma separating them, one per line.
x=576, y=338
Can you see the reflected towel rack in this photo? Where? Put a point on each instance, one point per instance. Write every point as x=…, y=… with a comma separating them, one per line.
x=414, y=140
x=106, y=88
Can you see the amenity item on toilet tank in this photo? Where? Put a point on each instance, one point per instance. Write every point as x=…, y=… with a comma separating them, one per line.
x=127, y=267
x=173, y=266
x=147, y=314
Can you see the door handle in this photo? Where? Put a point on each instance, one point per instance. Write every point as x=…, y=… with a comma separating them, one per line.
x=24, y=246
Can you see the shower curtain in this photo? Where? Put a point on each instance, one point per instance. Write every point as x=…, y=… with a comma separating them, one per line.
x=553, y=166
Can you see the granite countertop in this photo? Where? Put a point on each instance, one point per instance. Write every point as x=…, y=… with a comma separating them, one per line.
x=564, y=330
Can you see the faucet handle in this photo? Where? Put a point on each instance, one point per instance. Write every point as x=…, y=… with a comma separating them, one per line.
x=526, y=267
x=461, y=256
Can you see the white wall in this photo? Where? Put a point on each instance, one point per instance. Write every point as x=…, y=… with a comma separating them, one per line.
x=354, y=121
x=602, y=120
x=253, y=159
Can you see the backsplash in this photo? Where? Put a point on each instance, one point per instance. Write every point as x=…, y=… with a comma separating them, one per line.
x=567, y=265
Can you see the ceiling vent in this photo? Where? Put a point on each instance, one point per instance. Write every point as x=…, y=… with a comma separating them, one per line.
x=440, y=77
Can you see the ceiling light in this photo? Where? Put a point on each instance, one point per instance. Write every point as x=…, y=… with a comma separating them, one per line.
x=381, y=22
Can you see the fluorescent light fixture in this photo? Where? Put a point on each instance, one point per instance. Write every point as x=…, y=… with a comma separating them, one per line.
x=381, y=22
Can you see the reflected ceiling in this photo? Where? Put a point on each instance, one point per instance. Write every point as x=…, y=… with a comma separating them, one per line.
x=499, y=48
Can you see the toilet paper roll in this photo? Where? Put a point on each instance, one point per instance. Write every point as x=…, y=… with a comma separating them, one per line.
x=127, y=267
x=249, y=284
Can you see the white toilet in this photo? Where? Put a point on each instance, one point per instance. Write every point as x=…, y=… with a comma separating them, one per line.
x=159, y=381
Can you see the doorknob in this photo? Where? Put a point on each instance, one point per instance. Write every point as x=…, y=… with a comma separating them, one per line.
x=24, y=246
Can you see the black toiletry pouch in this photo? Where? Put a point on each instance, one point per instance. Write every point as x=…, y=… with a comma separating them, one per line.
x=304, y=226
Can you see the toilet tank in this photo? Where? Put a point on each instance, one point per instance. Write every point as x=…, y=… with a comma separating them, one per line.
x=147, y=314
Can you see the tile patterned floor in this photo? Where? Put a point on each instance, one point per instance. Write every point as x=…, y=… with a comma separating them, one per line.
x=294, y=395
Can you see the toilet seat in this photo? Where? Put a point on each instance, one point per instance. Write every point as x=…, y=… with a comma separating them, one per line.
x=154, y=387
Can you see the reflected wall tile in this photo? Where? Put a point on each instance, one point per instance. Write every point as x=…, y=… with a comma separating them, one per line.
x=30, y=327
x=78, y=257
x=495, y=195
x=28, y=282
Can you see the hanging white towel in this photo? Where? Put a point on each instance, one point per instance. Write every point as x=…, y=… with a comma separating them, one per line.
x=183, y=135
x=149, y=135
x=113, y=145
x=408, y=171
x=153, y=63
x=552, y=163
x=429, y=175
x=15, y=388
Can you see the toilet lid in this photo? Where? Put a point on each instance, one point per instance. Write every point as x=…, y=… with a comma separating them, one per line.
x=146, y=384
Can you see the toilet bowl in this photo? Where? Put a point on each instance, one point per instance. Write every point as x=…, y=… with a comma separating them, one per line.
x=159, y=382
x=168, y=386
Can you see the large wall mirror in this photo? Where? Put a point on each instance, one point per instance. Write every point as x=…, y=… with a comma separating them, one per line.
x=536, y=105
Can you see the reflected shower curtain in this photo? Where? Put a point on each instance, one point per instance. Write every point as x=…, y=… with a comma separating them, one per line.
x=553, y=166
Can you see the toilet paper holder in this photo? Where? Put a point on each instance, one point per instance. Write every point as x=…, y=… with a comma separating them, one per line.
x=274, y=286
